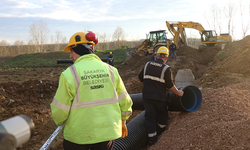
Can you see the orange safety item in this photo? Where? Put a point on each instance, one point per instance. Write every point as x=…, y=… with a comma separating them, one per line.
x=124, y=131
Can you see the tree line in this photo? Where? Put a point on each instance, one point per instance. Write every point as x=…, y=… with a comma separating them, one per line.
x=39, y=34
x=217, y=18
x=229, y=16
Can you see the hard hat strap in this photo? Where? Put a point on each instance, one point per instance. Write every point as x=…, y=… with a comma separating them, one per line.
x=81, y=49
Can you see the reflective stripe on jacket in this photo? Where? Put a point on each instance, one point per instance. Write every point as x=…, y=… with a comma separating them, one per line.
x=155, y=80
x=91, y=100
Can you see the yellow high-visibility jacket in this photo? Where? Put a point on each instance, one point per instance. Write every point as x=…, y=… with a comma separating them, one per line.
x=90, y=101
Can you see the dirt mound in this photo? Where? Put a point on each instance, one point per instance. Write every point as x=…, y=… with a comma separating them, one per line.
x=222, y=122
x=31, y=98
x=236, y=57
x=188, y=58
x=231, y=65
x=129, y=73
x=31, y=91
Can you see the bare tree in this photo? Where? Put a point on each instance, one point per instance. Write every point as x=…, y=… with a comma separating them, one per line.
x=118, y=37
x=219, y=19
x=104, y=42
x=30, y=46
x=4, y=48
x=58, y=40
x=245, y=26
x=229, y=14
x=51, y=39
x=4, y=43
x=207, y=17
x=214, y=15
x=39, y=32
x=18, y=47
x=64, y=40
x=214, y=18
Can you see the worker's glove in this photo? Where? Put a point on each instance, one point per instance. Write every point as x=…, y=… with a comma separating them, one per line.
x=124, y=129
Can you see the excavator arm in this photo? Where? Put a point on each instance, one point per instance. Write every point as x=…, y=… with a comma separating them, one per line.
x=178, y=32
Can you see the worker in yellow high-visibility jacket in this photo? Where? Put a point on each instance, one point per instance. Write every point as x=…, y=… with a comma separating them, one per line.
x=91, y=99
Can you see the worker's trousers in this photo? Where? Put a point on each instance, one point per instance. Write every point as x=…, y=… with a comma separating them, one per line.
x=111, y=62
x=107, y=145
x=174, y=55
x=156, y=117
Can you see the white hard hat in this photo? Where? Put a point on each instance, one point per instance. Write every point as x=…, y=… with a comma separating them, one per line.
x=172, y=41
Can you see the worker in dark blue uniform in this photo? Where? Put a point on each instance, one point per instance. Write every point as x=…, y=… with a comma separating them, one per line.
x=111, y=59
x=157, y=81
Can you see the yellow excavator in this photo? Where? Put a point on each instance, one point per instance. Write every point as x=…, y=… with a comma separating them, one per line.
x=154, y=40
x=209, y=38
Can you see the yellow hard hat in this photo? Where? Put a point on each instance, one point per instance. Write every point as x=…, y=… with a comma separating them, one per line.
x=80, y=38
x=163, y=50
x=110, y=52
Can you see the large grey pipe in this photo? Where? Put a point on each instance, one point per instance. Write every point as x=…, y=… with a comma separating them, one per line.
x=189, y=102
x=137, y=133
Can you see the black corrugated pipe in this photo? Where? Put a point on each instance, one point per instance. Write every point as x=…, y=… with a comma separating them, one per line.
x=189, y=102
x=137, y=135
x=59, y=61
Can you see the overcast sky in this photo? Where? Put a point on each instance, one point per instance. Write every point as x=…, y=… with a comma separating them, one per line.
x=135, y=17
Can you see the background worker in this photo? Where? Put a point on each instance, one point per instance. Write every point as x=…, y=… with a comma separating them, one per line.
x=91, y=100
x=111, y=59
x=157, y=81
x=173, y=50
x=153, y=57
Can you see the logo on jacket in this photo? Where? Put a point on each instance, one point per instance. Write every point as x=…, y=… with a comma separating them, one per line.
x=155, y=64
x=96, y=87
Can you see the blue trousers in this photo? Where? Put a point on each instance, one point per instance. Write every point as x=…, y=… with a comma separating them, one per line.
x=156, y=117
x=174, y=55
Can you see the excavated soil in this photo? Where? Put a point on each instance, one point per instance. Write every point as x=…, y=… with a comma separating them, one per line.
x=222, y=122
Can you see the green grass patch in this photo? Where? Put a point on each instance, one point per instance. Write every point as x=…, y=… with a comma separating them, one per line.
x=222, y=54
x=50, y=58
x=120, y=55
x=28, y=60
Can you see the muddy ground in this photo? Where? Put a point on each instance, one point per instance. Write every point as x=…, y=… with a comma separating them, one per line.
x=222, y=122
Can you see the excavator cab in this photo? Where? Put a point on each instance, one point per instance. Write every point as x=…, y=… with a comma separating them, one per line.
x=157, y=37
x=208, y=36
x=154, y=40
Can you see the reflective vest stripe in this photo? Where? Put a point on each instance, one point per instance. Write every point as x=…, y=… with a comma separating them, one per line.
x=161, y=79
x=163, y=71
x=152, y=134
x=75, y=74
x=154, y=78
x=162, y=126
x=145, y=67
x=60, y=105
x=90, y=103
x=125, y=113
x=77, y=82
x=123, y=95
x=95, y=102
x=111, y=74
x=79, y=104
